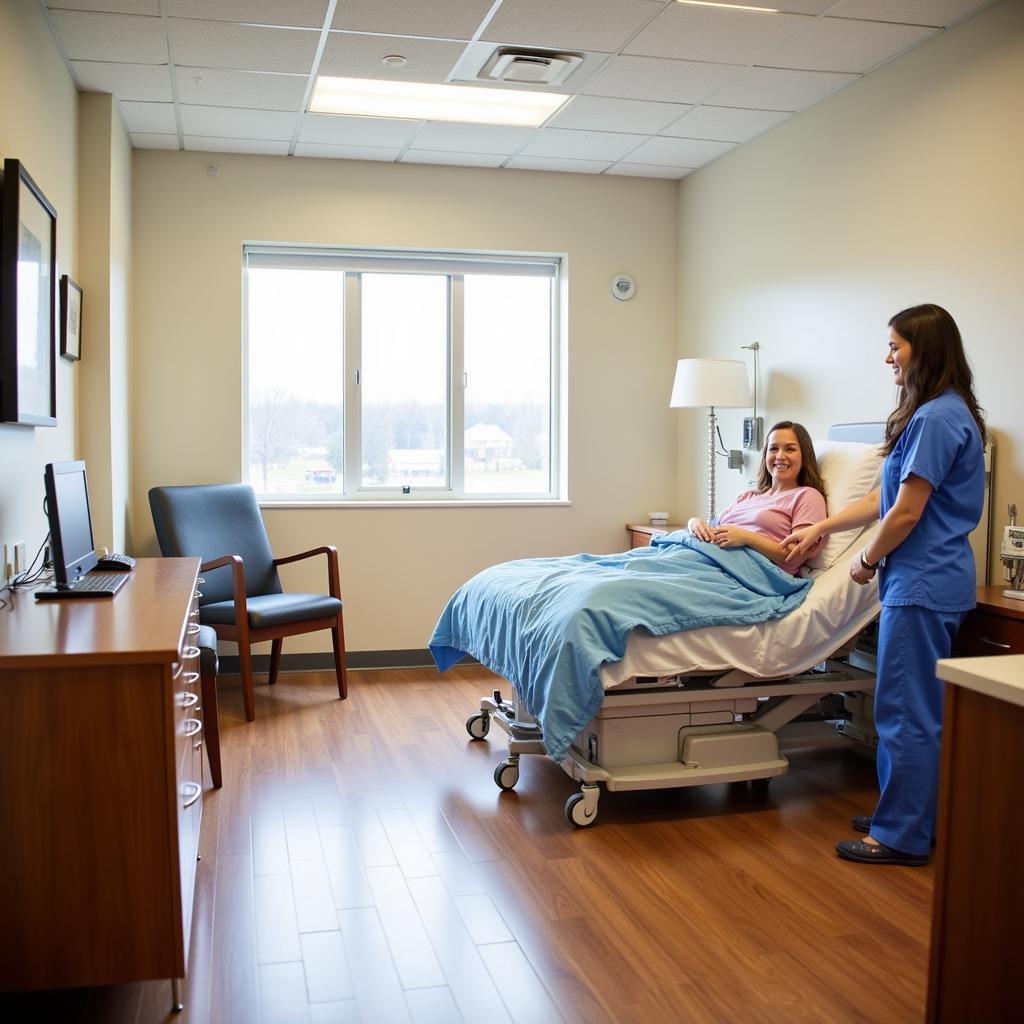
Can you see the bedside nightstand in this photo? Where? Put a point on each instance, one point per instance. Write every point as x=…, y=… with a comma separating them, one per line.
x=640, y=534
x=996, y=626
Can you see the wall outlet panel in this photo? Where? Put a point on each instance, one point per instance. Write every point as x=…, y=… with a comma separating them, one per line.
x=19, y=558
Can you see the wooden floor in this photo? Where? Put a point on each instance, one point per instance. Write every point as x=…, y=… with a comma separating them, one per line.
x=361, y=864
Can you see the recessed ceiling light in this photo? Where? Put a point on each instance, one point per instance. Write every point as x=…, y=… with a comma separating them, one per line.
x=367, y=97
x=394, y=60
x=731, y=7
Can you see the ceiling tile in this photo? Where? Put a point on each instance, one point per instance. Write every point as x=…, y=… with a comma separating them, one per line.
x=113, y=37
x=649, y=171
x=236, y=123
x=471, y=138
x=379, y=153
x=939, y=13
x=725, y=124
x=653, y=78
x=208, y=144
x=125, y=81
x=713, y=34
x=338, y=130
x=356, y=56
x=545, y=163
x=603, y=25
x=148, y=117
x=778, y=89
x=218, y=88
x=834, y=44
x=576, y=145
x=453, y=19
x=215, y=44
x=298, y=13
x=679, y=152
x=800, y=6
x=153, y=140
x=602, y=114
x=426, y=156
x=108, y=6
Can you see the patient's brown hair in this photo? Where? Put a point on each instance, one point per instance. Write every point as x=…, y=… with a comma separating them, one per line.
x=810, y=476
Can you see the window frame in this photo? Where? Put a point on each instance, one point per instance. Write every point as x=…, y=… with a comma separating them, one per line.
x=454, y=264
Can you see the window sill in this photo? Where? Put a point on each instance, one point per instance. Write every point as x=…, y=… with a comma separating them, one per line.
x=454, y=503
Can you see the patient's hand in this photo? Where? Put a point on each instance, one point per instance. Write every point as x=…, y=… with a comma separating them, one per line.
x=730, y=537
x=699, y=528
x=801, y=541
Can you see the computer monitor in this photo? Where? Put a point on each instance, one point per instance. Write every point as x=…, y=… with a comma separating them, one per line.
x=67, y=508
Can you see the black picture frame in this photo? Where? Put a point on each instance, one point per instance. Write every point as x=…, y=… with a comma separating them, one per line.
x=28, y=301
x=70, y=319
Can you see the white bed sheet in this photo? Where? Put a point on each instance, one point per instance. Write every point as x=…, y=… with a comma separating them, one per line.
x=835, y=610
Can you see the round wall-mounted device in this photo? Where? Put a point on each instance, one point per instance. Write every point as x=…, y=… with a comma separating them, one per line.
x=623, y=287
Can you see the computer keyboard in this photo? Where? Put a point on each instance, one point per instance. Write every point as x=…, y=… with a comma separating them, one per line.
x=96, y=584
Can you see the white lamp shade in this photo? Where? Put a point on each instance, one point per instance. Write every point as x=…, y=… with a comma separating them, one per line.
x=715, y=382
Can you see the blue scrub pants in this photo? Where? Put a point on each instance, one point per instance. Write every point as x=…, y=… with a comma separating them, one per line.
x=908, y=717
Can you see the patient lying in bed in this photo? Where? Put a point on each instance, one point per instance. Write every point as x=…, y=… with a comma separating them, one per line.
x=789, y=491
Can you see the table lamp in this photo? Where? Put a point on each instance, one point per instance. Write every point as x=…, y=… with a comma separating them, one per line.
x=710, y=382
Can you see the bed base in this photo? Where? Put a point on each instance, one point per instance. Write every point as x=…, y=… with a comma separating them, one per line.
x=686, y=732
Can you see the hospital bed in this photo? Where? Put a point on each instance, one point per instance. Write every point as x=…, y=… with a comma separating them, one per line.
x=721, y=704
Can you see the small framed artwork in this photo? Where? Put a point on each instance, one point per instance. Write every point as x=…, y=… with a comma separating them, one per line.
x=70, y=319
x=28, y=301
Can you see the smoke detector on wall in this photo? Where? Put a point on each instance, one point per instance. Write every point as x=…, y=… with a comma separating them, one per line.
x=529, y=67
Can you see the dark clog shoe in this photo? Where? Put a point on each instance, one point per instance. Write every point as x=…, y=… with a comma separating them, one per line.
x=869, y=853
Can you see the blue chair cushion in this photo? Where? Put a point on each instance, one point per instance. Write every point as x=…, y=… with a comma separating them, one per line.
x=206, y=641
x=273, y=609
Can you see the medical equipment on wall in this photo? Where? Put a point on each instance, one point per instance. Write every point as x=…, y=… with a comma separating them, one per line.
x=1012, y=555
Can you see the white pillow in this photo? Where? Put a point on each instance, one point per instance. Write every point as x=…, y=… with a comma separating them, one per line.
x=850, y=469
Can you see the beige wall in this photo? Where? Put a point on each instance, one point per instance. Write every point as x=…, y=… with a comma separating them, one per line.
x=906, y=187
x=38, y=126
x=399, y=566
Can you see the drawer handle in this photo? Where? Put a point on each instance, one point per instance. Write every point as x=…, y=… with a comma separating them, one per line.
x=994, y=643
x=191, y=678
x=190, y=792
x=198, y=593
x=194, y=614
x=193, y=726
x=177, y=669
x=193, y=629
x=200, y=579
x=189, y=700
x=191, y=651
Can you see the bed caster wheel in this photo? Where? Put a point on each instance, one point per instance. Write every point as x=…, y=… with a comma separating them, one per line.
x=760, y=786
x=506, y=775
x=576, y=812
x=478, y=726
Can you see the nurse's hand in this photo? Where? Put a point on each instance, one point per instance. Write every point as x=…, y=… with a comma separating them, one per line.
x=801, y=541
x=699, y=528
x=858, y=573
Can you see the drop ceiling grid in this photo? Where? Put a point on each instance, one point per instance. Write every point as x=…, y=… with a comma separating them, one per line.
x=663, y=85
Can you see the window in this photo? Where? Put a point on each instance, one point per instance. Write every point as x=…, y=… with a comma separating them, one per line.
x=401, y=376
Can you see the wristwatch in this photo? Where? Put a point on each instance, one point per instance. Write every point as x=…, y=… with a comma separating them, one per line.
x=868, y=566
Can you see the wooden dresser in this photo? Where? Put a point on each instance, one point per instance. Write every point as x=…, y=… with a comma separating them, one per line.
x=640, y=534
x=101, y=769
x=995, y=627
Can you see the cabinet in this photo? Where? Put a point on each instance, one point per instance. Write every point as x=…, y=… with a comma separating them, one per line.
x=995, y=627
x=640, y=534
x=101, y=768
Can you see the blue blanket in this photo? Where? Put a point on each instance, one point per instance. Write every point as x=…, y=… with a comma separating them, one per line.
x=548, y=624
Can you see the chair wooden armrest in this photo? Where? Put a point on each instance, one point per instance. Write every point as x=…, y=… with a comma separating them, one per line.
x=237, y=585
x=333, y=575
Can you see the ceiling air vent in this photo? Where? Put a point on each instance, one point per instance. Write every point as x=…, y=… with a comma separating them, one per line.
x=530, y=67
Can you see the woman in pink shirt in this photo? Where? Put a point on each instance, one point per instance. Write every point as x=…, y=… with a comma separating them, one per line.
x=790, y=493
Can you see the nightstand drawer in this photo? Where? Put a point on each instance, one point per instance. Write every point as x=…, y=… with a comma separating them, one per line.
x=986, y=634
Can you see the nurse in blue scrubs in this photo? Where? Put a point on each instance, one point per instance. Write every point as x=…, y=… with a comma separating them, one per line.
x=930, y=499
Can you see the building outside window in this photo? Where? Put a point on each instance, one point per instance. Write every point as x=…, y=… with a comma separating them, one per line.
x=374, y=375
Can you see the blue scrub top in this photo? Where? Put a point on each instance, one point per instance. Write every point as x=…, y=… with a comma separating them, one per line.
x=934, y=567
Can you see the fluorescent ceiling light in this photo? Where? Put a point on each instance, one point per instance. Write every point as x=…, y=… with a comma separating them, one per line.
x=367, y=97
x=732, y=7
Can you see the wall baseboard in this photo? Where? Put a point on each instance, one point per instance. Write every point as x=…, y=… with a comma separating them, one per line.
x=324, y=662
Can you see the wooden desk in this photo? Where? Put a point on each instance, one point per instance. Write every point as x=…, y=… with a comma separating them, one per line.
x=996, y=626
x=101, y=769
x=978, y=918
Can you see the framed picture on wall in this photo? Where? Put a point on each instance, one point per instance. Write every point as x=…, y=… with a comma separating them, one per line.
x=28, y=301
x=70, y=319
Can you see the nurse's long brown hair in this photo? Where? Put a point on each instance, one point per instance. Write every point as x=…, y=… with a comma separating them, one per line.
x=937, y=363
x=809, y=476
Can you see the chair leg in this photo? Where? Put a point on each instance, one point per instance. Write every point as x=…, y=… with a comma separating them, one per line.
x=275, y=659
x=245, y=665
x=211, y=724
x=338, y=638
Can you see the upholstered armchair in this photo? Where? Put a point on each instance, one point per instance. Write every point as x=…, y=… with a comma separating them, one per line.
x=242, y=597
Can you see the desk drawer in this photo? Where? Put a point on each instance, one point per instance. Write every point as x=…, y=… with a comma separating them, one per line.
x=984, y=634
